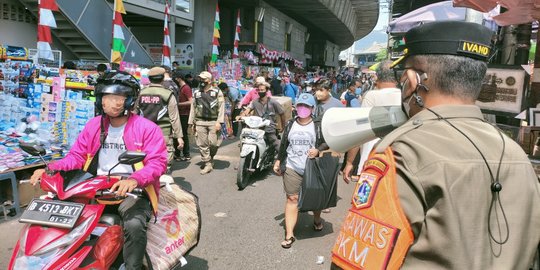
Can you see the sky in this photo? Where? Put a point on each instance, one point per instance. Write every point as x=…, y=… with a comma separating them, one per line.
x=383, y=16
x=380, y=29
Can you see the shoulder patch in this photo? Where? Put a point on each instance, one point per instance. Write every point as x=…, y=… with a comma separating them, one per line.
x=365, y=190
x=376, y=164
x=197, y=94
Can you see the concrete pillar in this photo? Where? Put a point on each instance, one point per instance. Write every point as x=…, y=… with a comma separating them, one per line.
x=509, y=45
x=172, y=34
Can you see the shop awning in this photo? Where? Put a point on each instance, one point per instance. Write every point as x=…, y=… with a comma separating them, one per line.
x=518, y=11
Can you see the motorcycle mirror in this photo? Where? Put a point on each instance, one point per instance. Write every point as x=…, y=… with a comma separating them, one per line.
x=32, y=149
x=131, y=157
x=128, y=158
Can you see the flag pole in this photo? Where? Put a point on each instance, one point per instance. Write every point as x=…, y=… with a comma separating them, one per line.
x=112, y=33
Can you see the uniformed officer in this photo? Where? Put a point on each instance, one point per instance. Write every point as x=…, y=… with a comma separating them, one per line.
x=446, y=190
x=205, y=118
x=160, y=106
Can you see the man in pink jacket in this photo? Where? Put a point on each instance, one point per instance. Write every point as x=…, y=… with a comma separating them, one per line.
x=253, y=94
x=107, y=136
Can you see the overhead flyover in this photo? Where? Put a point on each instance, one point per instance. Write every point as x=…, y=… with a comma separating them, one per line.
x=343, y=21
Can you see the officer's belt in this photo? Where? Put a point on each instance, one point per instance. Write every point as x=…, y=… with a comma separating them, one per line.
x=205, y=119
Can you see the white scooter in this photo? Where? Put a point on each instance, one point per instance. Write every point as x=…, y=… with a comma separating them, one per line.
x=255, y=154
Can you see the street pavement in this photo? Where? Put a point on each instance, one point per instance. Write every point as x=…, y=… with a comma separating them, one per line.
x=240, y=229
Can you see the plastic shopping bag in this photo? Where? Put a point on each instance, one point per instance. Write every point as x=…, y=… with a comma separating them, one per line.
x=319, y=185
x=176, y=230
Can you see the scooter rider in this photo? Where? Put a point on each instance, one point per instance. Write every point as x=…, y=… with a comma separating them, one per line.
x=100, y=143
x=267, y=108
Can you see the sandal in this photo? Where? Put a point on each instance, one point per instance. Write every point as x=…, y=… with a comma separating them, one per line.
x=288, y=242
x=318, y=226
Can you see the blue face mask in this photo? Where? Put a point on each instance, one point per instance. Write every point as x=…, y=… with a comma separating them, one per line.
x=358, y=91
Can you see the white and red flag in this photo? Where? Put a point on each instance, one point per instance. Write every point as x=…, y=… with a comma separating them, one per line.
x=237, y=36
x=46, y=21
x=166, y=58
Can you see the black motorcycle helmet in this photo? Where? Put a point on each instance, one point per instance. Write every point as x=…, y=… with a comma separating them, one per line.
x=118, y=83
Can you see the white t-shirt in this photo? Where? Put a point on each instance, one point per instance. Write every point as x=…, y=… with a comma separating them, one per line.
x=110, y=150
x=301, y=139
x=377, y=97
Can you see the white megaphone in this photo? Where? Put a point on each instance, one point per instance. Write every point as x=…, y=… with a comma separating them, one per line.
x=345, y=128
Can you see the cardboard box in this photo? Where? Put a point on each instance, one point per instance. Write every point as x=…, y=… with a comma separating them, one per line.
x=286, y=103
x=27, y=192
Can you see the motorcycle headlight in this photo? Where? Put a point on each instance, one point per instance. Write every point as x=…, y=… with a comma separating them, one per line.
x=28, y=262
x=66, y=239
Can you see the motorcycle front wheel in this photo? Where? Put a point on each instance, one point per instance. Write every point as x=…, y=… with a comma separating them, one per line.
x=243, y=173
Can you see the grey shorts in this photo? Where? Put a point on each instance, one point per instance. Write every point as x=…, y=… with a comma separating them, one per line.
x=292, y=182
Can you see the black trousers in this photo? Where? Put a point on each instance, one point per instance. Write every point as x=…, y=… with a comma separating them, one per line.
x=235, y=125
x=185, y=151
x=135, y=214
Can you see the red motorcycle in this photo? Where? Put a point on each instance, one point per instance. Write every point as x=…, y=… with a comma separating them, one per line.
x=68, y=229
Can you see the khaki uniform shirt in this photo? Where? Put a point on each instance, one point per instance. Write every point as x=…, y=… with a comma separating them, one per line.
x=174, y=116
x=444, y=189
x=221, y=111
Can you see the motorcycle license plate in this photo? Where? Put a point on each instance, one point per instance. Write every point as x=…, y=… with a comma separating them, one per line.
x=52, y=213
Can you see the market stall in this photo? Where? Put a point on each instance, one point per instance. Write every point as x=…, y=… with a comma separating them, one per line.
x=39, y=104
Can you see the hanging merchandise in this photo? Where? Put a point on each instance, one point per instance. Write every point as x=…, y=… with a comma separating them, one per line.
x=269, y=56
x=224, y=70
x=40, y=105
x=118, y=47
x=215, y=42
x=236, y=36
x=14, y=76
x=78, y=79
x=131, y=68
x=46, y=21
x=166, y=57
x=14, y=53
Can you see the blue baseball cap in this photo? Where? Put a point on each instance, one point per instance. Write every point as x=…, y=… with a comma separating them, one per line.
x=306, y=99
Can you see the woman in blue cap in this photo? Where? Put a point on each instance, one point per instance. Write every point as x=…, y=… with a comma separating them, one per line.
x=301, y=139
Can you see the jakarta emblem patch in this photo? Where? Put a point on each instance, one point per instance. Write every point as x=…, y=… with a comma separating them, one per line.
x=365, y=190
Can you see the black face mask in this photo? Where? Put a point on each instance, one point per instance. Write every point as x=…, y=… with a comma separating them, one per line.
x=262, y=94
x=203, y=84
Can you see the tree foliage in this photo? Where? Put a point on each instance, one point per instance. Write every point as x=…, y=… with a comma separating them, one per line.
x=382, y=55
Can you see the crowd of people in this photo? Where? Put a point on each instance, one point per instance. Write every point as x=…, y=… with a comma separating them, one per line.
x=442, y=172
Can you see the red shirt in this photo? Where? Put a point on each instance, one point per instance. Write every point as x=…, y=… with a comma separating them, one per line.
x=184, y=95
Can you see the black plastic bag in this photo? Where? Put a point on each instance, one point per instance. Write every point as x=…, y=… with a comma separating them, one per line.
x=329, y=168
x=319, y=184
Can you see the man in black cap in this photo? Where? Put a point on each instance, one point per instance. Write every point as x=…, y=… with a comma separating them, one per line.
x=168, y=82
x=206, y=115
x=446, y=190
x=160, y=106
